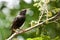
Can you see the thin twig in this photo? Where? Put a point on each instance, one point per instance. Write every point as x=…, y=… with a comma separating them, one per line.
x=37, y=25
x=40, y=17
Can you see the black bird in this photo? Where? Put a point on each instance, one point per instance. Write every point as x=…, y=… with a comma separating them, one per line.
x=18, y=21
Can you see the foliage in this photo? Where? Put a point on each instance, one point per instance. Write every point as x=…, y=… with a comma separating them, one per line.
x=41, y=10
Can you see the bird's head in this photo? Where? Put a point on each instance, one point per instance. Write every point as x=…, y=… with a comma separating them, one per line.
x=23, y=12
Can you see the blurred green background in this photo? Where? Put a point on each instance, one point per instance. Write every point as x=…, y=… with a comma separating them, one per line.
x=8, y=11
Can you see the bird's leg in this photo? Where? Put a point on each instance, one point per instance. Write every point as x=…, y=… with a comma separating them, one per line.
x=16, y=30
x=21, y=29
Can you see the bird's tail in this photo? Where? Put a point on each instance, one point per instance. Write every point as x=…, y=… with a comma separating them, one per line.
x=12, y=32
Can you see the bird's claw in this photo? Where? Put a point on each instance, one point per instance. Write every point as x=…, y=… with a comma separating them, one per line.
x=17, y=30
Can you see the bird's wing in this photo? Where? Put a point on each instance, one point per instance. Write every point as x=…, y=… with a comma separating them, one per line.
x=16, y=19
x=14, y=22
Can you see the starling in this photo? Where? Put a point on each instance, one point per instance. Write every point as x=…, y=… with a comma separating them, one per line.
x=18, y=21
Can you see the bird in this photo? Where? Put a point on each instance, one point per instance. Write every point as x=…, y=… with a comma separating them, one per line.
x=18, y=20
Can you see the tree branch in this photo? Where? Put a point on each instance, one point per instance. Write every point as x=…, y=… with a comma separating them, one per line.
x=37, y=25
